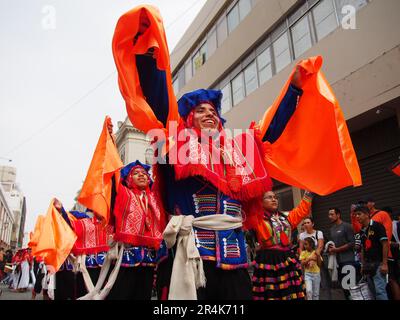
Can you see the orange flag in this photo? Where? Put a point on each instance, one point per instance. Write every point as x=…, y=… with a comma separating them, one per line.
x=124, y=50
x=315, y=151
x=56, y=239
x=35, y=235
x=96, y=190
x=396, y=168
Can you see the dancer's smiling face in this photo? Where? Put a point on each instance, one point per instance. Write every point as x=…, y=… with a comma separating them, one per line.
x=205, y=117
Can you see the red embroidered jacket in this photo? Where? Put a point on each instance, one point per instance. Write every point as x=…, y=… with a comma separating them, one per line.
x=134, y=224
x=92, y=236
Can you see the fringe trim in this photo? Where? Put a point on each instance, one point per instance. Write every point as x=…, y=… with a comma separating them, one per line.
x=281, y=286
x=138, y=241
x=276, y=266
x=88, y=251
x=293, y=296
x=275, y=280
x=252, y=190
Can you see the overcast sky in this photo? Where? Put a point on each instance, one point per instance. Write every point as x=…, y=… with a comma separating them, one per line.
x=58, y=81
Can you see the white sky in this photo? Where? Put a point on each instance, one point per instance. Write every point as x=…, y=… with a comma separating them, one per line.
x=67, y=77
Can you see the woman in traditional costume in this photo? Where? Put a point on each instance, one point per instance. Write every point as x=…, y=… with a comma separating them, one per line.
x=277, y=270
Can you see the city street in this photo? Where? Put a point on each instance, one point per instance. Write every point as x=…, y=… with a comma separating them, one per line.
x=10, y=295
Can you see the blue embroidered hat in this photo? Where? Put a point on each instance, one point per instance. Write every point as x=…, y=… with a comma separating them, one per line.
x=192, y=99
x=125, y=170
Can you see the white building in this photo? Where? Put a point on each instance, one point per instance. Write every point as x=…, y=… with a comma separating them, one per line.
x=6, y=220
x=16, y=202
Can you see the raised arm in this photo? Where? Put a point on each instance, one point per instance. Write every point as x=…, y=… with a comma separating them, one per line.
x=301, y=211
x=142, y=58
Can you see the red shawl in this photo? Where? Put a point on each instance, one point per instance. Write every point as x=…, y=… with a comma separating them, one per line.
x=92, y=236
x=236, y=167
x=130, y=219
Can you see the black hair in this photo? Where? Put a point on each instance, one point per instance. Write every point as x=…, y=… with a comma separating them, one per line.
x=310, y=218
x=337, y=211
x=361, y=208
x=311, y=242
x=388, y=210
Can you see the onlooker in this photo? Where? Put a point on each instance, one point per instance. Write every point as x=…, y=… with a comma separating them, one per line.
x=342, y=235
x=2, y=263
x=310, y=232
x=384, y=218
x=354, y=222
x=309, y=260
x=394, y=271
x=374, y=243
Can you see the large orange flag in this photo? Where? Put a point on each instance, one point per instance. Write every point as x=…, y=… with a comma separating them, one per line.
x=56, y=239
x=315, y=151
x=106, y=162
x=139, y=111
x=35, y=235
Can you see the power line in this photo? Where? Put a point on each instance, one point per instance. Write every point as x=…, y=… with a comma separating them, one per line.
x=51, y=122
x=74, y=104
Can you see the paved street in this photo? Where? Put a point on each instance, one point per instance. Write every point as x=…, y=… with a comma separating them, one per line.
x=10, y=295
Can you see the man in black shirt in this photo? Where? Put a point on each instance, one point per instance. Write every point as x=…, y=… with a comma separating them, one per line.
x=375, y=247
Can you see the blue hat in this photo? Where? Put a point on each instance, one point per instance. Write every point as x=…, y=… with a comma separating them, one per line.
x=192, y=99
x=125, y=170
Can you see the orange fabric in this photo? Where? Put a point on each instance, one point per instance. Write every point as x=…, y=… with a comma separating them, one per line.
x=299, y=213
x=396, y=169
x=315, y=151
x=96, y=190
x=35, y=235
x=140, y=113
x=56, y=239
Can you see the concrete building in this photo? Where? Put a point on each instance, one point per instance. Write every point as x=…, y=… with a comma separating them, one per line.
x=6, y=220
x=247, y=48
x=16, y=202
x=132, y=144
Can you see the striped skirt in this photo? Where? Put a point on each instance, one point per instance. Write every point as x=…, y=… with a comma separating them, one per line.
x=277, y=276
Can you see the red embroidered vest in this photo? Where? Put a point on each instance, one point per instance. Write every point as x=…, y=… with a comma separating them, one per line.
x=91, y=236
x=133, y=223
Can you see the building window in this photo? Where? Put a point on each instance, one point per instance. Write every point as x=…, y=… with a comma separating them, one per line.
x=301, y=37
x=244, y=8
x=222, y=31
x=250, y=78
x=199, y=58
x=325, y=18
x=175, y=86
x=281, y=52
x=233, y=18
x=188, y=70
x=212, y=42
x=181, y=78
x=226, y=103
x=264, y=66
x=237, y=89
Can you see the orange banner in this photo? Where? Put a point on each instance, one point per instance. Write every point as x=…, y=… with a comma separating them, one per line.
x=106, y=162
x=315, y=151
x=124, y=50
x=56, y=239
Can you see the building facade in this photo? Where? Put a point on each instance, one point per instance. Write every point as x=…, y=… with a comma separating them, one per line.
x=132, y=144
x=16, y=202
x=247, y=49
x=6, y=220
